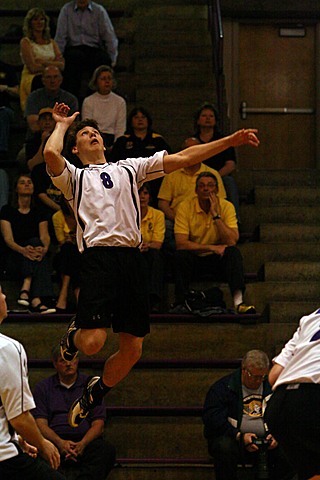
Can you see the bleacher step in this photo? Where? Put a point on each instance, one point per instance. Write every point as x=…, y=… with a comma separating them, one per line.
x=281, y=312
x=292, y=271
x=171, y=341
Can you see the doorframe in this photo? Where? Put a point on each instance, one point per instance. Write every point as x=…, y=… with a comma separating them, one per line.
x=231, y=30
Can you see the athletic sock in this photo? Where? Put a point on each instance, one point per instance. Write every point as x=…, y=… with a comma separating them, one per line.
x=99, y=390
x=71, y=346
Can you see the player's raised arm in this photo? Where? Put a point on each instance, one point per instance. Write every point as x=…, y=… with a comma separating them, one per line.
x=54, y=145
x=199, y=153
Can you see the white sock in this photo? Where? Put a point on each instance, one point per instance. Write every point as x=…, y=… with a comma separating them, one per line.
x=237, y=298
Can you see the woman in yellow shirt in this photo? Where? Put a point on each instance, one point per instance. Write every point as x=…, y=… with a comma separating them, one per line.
x=67, y=260
x=152, y=231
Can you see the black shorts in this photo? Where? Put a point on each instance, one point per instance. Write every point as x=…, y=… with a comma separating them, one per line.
x=292, y=416
x=114, y=290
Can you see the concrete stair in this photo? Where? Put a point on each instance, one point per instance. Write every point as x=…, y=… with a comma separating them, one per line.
x=286, y=208
x=173, y=66
x=154, y=415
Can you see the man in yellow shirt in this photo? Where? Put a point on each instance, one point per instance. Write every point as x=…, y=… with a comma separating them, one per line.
x=175, y=188
x=206, y=233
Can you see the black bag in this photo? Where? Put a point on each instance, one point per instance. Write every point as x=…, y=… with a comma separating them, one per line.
x=205, y=303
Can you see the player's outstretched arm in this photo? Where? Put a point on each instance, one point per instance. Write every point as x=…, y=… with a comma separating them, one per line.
x=199, y=153
x=54, y=145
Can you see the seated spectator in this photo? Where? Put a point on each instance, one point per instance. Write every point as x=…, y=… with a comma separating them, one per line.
x=233, y=418
x=38, y=50
x=47, y=196
x=140, y=141
x=87, y=39
x=104, y=106
x=25, y=232
x=9, y=88
x=175, y=188
x=152, y=231
x=67, y=260
x=206, y=130
x=84, y=452
x=47, y=96
x=19, y=459
x=206, y=233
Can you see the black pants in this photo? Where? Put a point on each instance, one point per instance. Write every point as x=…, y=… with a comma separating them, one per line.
x=155, y=271
x=292, y=415
x=227, y=268
x=68, y=262
x=79, y=61
x=96, y=462
x=227, y=453
x=23, y=467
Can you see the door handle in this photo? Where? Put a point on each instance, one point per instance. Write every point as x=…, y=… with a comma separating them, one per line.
x=244, y=110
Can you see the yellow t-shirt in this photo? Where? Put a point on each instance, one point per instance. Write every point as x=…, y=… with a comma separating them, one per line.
x=178, y=185
x=200, y=227
x=153, y=226
x=61, y=228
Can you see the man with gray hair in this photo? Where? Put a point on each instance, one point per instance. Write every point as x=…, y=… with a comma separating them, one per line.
x=233, y=420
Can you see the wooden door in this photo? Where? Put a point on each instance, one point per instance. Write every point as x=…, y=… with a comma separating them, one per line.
x=278, y=72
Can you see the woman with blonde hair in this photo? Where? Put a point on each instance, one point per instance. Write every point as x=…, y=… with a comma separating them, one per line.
x=38, y=50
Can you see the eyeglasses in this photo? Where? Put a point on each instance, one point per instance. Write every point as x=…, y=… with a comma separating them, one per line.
x=256, y=377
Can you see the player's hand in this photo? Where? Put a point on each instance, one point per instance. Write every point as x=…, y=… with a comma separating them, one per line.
x=60, y=114
x=245, y=137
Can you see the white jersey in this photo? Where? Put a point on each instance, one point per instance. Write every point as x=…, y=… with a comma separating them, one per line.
x=15, y=394
x=300, y=357
x=105, y=199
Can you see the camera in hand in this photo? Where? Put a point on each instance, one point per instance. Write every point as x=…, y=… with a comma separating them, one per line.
x=262, y=465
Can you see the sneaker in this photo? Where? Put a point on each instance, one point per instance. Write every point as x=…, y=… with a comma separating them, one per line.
x=67, y=353
x=81, y=407
x=247, y=309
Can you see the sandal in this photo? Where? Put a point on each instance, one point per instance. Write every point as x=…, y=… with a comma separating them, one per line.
x=42, y=309
x=24, y=301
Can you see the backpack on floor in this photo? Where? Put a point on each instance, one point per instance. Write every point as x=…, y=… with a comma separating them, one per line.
x=205, y=303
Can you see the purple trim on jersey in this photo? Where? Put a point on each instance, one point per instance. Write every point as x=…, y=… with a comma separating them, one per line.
x=134, y=200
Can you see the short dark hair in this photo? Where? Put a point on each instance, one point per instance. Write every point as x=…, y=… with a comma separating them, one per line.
x=71, y=138
x=205, y=174
x=147, y=186
x=134, y=112
x=204, y=106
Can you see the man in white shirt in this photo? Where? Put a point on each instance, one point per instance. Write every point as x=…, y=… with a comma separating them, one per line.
x=292, y=413
x=18, y=459
x=87, y=39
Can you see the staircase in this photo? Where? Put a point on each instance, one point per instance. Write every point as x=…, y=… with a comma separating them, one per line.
x=287, y=211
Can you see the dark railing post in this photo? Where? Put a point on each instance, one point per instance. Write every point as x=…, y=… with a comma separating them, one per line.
x=216, y=32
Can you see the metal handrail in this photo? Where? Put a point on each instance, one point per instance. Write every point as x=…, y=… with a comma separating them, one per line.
x=216, y=32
